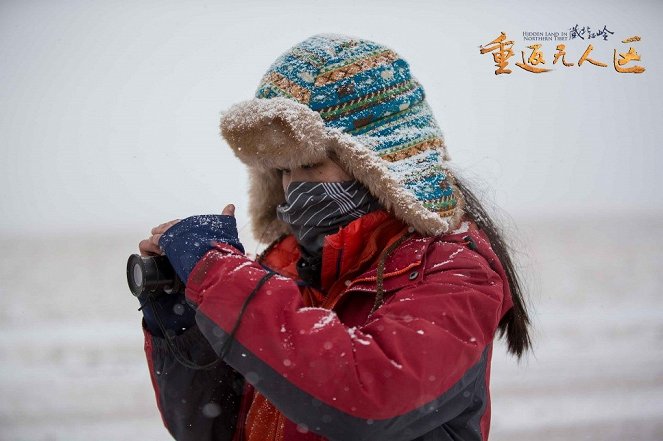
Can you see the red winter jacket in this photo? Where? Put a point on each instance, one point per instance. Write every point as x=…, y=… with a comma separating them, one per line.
x=417, y=368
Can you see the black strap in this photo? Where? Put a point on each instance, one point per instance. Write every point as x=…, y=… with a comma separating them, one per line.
x=180, y=357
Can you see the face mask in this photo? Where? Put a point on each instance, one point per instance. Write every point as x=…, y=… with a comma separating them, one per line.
x=316, y=209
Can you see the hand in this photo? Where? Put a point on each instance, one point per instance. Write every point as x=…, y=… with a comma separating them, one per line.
x=183, y=255
x=150, y=246
x=185, y=242
x=229, y=210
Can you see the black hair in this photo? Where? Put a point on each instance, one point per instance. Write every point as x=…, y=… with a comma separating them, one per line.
x=516, y=322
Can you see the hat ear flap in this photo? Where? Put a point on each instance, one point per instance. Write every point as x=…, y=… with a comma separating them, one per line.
x=260, y=141
x=274, y=133
x=265, y=194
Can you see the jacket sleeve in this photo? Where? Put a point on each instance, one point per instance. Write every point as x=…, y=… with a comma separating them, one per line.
x=195, y=404
x=414, y=365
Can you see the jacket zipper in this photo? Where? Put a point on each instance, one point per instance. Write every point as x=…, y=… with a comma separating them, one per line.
x=338, y=264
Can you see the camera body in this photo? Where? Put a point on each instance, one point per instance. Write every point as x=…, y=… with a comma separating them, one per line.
x=152, y=276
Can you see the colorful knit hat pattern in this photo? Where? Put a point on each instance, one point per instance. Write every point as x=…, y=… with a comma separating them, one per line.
x=357, y=99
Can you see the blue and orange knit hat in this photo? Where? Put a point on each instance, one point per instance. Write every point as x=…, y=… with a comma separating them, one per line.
x=357, y=99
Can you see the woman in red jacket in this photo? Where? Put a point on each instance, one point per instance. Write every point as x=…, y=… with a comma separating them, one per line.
x=371, y=315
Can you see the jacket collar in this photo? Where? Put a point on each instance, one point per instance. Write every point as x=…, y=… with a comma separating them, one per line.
x=345, y=254
x=356, y=247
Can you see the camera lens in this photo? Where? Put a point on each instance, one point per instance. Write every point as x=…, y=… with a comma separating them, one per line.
x=152, y=275
x=138, y=275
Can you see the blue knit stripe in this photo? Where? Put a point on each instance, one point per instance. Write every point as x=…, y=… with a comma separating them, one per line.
x=367, y=90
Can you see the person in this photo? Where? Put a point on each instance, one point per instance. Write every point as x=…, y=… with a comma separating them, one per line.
x=372, y=312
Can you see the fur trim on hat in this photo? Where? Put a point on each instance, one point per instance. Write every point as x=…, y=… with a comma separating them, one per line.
x=268, y=134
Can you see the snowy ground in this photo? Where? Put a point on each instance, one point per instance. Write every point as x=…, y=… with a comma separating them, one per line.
x=72, y=365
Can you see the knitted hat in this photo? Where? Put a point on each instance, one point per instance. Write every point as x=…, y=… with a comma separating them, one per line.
x=357, y=99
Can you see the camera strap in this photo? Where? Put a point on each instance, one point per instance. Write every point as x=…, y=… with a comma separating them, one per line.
x=180, y=357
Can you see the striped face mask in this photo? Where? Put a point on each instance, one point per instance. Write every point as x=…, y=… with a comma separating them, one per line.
x=316, y=209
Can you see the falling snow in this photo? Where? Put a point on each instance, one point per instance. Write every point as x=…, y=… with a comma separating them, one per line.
x=324, y=321
x=449, y=260
x=353, y=334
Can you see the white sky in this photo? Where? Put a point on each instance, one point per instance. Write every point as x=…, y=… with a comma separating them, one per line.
x=109, y=110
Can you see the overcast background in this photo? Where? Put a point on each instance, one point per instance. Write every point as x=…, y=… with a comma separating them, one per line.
x=109, y=125
x=109, y=116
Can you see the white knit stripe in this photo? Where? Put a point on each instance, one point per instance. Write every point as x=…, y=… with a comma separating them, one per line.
x=317, y=223
x=292, y=190
x=292, y=204
x=334, y=192
x=355, y=186
x=342, y=198
x=352, y=196
x=294, y=221
x=360, y=212
x=330, y=214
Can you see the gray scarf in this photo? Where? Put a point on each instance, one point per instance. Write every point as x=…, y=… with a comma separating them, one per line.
x=316, y=209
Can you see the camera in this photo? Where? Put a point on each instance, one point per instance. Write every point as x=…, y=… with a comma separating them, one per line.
x=153, y=276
